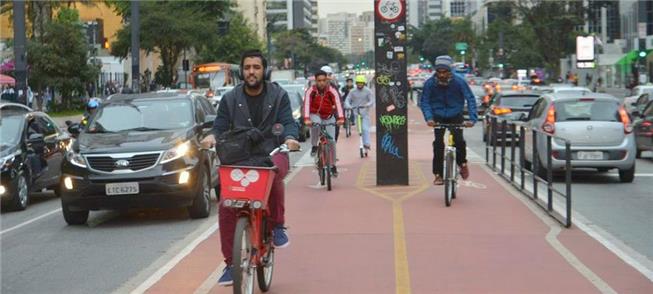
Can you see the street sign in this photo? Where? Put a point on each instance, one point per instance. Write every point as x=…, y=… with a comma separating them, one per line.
x=585, y=48
x=461, y=46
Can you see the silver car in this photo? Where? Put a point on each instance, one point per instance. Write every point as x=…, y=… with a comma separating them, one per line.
x=597, y=125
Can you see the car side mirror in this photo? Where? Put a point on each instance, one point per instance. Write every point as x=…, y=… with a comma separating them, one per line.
x=74, y=129
x=36, y=139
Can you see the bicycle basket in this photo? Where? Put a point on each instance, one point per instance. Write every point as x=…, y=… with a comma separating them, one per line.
x=246, y=182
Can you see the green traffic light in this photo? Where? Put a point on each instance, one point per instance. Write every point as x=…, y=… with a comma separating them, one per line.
x=462, y=52
x=642, y=54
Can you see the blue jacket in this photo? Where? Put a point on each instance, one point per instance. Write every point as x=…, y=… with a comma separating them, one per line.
x=447, y=101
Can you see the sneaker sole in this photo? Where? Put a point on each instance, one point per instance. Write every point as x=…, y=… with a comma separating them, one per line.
x=226, y=284
x=282, y=246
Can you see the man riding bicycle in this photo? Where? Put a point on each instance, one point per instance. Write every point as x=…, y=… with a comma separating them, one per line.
x=256, y=103
x=361, y=97
x=321, y=103
x=442, y=101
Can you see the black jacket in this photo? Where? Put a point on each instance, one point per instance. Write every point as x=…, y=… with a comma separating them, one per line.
x=233, y=112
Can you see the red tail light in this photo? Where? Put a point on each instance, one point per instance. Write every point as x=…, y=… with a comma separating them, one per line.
x=549, y=123
x=625, y=119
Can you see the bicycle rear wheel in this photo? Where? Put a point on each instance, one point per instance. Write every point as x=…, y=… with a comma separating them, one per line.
x=266, y=268
x=448, y=179
x=319, y=164
x=243, y=271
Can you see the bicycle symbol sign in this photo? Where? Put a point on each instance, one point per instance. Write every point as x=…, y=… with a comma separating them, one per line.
x=390, y=10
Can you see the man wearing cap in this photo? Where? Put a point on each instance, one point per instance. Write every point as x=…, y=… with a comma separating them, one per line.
x=361, y=97
x=442, y=101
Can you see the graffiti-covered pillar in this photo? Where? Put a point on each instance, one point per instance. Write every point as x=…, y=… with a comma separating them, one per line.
x=391, y=89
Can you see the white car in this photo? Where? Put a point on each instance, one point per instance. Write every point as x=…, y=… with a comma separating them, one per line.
x=217, y=96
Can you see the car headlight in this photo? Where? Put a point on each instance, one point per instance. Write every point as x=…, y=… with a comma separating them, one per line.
x=76, y=159
x=6, y=161
x=176, y=152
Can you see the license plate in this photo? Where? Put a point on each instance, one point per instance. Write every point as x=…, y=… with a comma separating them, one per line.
x=590, y=155
x=122, y=188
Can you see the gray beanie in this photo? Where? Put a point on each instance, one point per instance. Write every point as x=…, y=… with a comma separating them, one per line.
x=444, y=62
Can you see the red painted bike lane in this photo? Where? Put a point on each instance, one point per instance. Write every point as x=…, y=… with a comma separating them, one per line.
x=360, y=238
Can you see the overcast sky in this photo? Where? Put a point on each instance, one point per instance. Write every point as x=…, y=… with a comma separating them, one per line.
x=352, y=6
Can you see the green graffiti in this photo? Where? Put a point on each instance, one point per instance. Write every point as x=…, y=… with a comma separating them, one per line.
x=390, y=122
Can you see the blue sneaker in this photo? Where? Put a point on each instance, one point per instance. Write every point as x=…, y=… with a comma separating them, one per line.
x=280, y=238
x=226, y=279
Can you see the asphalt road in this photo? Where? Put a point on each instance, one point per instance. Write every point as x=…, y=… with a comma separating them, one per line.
x=622, y=210
x=116, y=251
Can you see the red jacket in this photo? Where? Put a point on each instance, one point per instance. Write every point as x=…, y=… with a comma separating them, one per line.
x=325, y=104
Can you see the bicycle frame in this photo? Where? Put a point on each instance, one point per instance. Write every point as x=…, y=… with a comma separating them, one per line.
x=450, y=168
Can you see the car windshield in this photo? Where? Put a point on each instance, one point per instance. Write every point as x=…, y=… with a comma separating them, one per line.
x=11, y=126
x=143, y=115
x=517, y=101
x=587, y=109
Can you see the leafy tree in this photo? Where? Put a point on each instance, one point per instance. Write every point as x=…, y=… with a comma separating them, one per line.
x=168, y=28
x=61, y=60
x=517, y=46
x=40, y=13
x=307, y=53
x=229, y=47
x=554, y=23
x=438, y=37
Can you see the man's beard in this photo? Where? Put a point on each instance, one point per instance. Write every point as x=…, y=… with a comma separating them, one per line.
x=255, y=85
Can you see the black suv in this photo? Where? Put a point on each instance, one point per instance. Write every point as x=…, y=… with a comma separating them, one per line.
x=32, y=148
x=141, y=151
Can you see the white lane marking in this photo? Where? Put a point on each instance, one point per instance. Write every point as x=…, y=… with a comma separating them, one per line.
x=30, y=221
x=211, y=281
x=153, y=279
x=627, y=254
x=551, y=236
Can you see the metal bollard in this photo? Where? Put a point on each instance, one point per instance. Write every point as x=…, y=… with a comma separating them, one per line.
x=549, y=172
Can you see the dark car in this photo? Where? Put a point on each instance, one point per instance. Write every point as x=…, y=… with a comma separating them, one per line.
x=141, y=151
x=643, y=128
x=32, y=148
x=296, y=96
x=511, y=106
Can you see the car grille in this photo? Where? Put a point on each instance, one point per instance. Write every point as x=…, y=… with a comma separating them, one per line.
x=136, y=162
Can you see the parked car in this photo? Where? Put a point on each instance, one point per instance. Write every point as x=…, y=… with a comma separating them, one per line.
x=597, y=125
x=478, y=92
x=32, y=148
x=643, y=128
x=141, y=151
x=636, y=94
x=511, y=106
x=296, y=96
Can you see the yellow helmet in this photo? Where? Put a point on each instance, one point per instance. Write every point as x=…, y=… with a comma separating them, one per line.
x=360, y=79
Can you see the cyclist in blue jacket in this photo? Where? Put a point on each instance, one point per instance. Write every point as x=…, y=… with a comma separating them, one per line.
x=442, y=101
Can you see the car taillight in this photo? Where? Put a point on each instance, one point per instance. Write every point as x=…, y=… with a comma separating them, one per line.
x=628, y=128
x=500, y=110
x=549, y=123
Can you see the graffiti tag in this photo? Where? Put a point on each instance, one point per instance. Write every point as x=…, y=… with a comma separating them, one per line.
x=391, y=122
x=388, y=146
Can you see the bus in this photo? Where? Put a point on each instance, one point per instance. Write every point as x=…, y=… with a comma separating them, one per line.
x=214, y=75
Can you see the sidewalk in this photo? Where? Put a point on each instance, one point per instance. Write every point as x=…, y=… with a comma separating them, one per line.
x=360, y=238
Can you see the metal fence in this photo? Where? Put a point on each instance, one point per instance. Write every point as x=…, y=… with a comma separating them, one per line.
x=500, y=132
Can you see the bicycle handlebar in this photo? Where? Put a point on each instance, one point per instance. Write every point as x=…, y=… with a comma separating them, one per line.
x=283, y=148
x=449, y=126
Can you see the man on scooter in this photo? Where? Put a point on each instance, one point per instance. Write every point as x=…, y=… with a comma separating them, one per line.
x=362, y=97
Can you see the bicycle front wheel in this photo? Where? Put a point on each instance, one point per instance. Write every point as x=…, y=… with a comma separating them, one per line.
x=265, y=269
x=243, y=271
x=448, y=179
x=327, y=172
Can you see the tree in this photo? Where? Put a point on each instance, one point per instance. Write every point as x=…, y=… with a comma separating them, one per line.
x=61, y=59
x=304, y=49
x=438, y=37
x=229, y=47
x=168, y=28
x=517, y=50
x=554, y=23
x=40, y=13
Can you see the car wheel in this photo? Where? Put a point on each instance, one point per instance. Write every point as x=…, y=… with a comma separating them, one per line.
x=74, y=218
x=21, y=197
x=627, y=175
x=201, y=206
x=602, y=169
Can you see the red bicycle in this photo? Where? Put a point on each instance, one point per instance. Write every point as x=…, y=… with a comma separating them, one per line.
x=247, y=188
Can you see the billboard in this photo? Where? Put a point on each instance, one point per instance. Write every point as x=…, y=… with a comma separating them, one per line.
x=585, y=48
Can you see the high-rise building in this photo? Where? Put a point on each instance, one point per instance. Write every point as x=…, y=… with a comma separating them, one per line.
x=348, y=33
x=613, y=21
x=459, y=8
x=314, y=17
x=291, y=14
x=634, y=13
x=254, y=13
x=434, y=9
x=339, y=31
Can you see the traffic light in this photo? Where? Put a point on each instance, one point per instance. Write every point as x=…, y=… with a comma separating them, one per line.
x=421, y=59
x=462, y=52
x=105, y=43
x=642, y=53
x=500, y=65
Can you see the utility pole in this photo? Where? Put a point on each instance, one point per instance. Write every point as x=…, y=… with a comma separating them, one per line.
x=20, y=53
x=135, y=46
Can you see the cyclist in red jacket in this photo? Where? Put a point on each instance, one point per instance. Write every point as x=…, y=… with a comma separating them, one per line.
x=321, y=103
